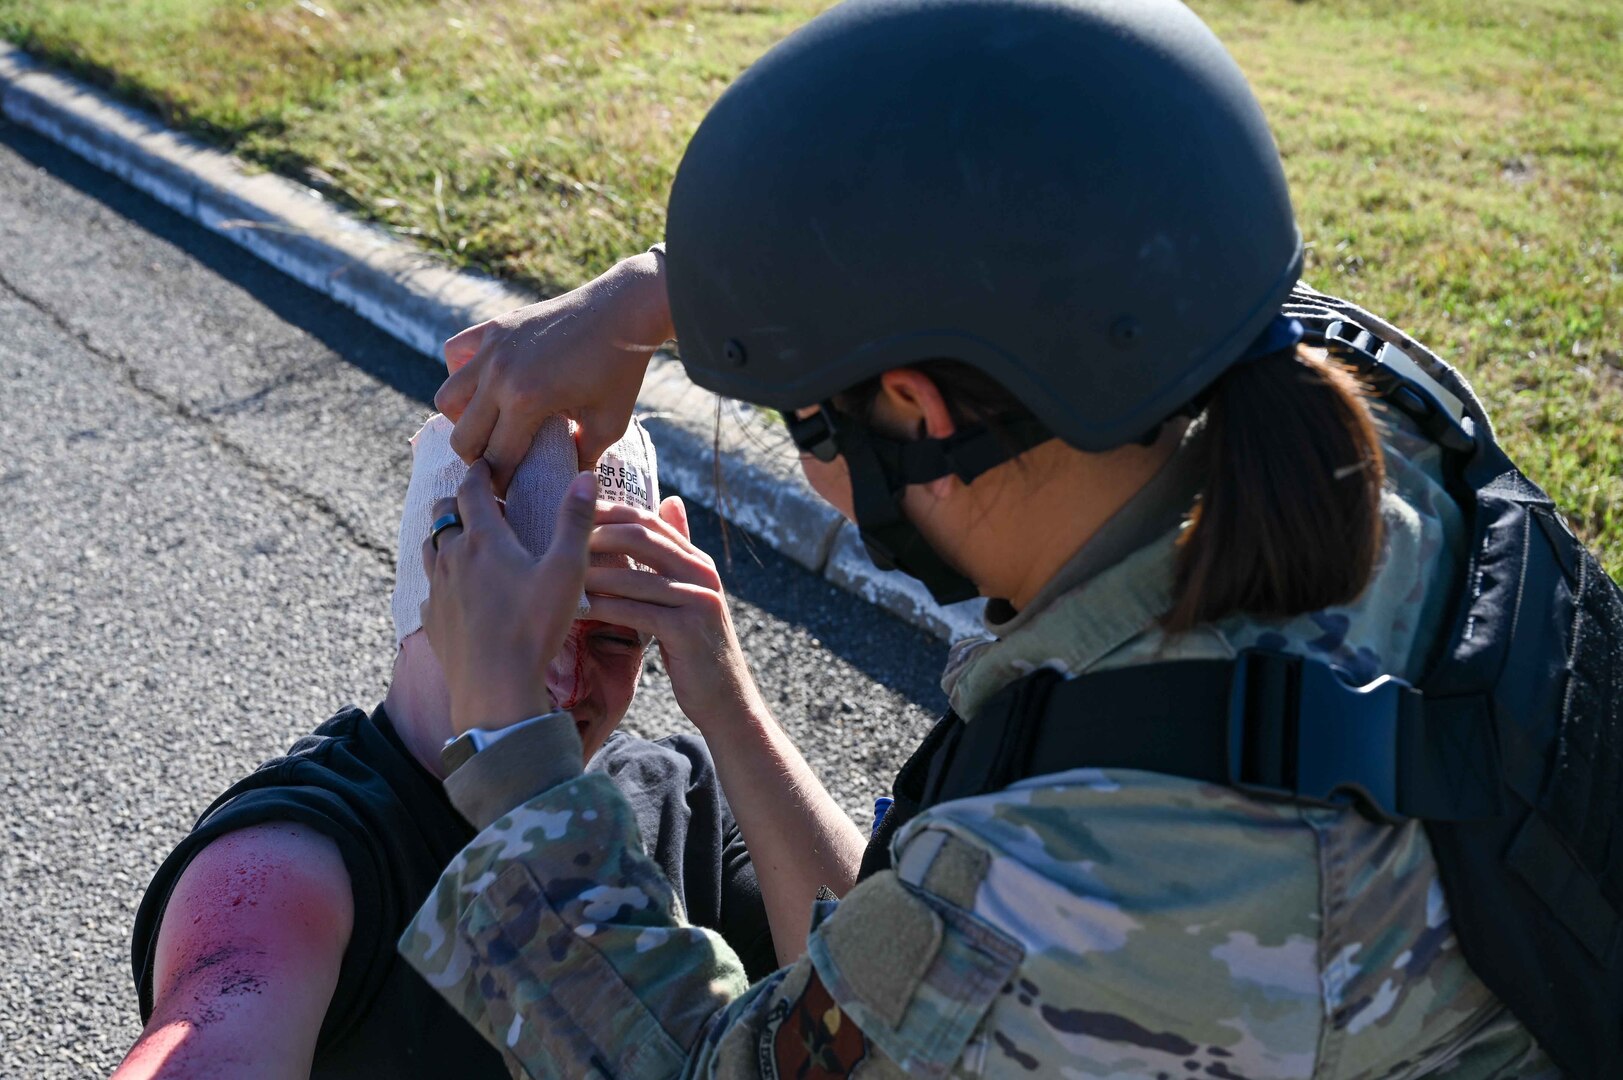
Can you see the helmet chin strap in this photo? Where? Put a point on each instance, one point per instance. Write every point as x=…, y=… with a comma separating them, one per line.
x=882, y=468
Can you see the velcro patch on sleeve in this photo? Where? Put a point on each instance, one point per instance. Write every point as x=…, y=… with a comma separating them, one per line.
x=956, y=872
x=883, y=942
x=915, y=972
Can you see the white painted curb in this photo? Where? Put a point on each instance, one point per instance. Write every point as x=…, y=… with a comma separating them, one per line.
x=407, y=294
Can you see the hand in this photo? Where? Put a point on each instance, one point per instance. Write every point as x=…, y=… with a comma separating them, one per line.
x=681, y=603
x=798, y=837
x=583, y=354
x=495, y=615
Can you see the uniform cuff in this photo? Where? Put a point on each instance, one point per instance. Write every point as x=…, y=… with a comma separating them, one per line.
x=515, y=770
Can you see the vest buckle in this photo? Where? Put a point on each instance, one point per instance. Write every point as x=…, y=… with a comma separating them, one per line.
x=1296, y=731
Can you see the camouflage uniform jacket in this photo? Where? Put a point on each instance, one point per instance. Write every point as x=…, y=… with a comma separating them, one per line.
x=1082, y=924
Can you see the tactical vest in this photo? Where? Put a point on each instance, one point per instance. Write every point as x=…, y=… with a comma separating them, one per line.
x=1509, y=749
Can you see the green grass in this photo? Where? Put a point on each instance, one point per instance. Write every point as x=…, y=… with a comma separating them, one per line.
x=1457, y=164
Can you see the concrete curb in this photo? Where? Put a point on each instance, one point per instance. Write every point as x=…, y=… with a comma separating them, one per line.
x=412, y=297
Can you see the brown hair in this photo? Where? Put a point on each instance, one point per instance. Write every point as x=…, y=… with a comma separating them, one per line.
x=1289, y=520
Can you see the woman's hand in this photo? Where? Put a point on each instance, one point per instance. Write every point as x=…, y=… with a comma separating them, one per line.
x=798, y=838
x=495, y=615
x=681, y=603
x=583, y=354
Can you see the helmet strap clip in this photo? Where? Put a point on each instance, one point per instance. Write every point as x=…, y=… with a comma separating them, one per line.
x=881, y=469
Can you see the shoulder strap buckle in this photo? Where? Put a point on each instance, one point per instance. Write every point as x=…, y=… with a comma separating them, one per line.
x=1296, y=731
x=1405, y=385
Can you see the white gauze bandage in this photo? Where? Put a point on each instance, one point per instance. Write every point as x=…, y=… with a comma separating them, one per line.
x=628, y=472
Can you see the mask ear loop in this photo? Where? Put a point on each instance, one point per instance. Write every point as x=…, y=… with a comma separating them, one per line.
x=893, y=542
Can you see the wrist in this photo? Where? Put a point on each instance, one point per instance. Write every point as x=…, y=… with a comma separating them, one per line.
x=486, y=781
x=737, y=715
x=497, y=713
x=642, y=278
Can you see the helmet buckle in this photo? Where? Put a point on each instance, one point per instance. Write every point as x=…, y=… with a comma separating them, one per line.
x=814, y=434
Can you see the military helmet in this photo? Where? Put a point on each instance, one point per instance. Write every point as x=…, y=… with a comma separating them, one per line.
x=1079, y=197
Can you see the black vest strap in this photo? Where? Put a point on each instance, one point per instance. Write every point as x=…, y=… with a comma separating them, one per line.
x=907, y=793
x=1268, y=723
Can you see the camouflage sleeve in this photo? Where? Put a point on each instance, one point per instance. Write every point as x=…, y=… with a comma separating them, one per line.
x=1098, y=924
x=564, y=945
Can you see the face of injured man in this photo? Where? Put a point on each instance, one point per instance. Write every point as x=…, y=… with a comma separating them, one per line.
x=609, y=662
x=595, y=675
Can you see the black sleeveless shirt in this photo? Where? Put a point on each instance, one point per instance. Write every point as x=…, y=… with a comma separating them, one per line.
x=355, y=782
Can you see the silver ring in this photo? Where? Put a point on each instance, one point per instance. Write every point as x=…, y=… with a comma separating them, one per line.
x=441, y=523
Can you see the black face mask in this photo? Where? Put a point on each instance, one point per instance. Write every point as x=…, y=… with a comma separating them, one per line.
x=881, y=469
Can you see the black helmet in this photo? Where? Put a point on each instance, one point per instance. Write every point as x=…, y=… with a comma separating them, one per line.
x=1079, y=197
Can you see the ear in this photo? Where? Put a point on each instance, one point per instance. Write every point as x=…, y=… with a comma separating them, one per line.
x=908, y=397
x=911, y=402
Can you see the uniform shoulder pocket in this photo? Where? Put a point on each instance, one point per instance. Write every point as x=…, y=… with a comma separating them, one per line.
x=914, y=968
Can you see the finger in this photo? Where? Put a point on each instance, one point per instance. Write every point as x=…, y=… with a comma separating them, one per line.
x=476, y=500
x=674, y=512
x=625, y=514
x=654, y=550
x=510, y=440
x=618, y=581
x=463, y=348
x=572, y=534
x=471, y=434
x=568, y=556
x=431, y=555
x=650, y=620
x=442, y=508
x=600, y=429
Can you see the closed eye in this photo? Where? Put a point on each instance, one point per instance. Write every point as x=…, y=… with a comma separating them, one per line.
x=617, y=641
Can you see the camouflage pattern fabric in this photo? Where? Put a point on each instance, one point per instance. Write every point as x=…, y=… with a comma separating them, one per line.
x=1084, y=924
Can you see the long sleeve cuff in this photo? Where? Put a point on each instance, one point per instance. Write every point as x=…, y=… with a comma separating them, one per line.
x=502, y=777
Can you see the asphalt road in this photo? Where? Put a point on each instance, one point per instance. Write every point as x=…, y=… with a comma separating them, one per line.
x=201, y=468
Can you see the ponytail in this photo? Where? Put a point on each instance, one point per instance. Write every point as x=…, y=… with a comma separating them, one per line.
x=1290, y=517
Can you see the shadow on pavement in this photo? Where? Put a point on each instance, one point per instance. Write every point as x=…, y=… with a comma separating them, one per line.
x=887, y=650
x=356, y=341
x=879, y=645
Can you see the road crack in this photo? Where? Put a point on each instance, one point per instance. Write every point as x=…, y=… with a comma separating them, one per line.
x=200, y=421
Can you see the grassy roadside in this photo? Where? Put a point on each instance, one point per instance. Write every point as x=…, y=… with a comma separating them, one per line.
x=1457, y=164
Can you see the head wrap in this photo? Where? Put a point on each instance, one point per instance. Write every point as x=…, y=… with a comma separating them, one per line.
x=626, y=473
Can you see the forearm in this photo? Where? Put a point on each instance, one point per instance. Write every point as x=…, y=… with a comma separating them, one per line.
x=798, y=839
x=561, y=941
x=187, y=1049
